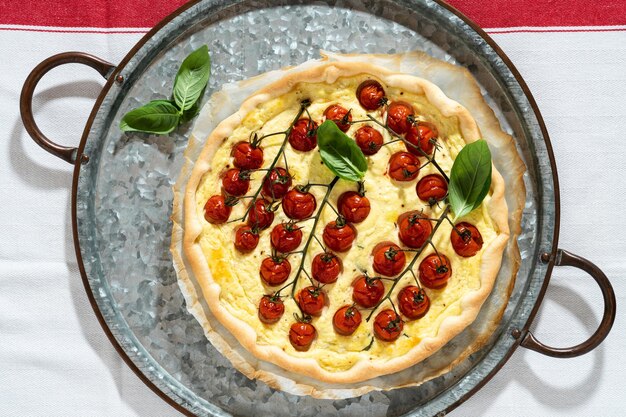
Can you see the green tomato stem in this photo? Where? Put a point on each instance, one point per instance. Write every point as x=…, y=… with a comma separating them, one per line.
x=312, y=234
x=409, y=267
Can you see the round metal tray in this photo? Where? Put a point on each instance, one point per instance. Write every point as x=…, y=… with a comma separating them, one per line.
x=122, y=193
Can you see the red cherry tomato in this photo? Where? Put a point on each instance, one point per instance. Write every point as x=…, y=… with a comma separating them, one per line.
x=388, y=325
x=413, y=230
x=246, y=156
x=286, y=237
x=403, y=166
x=260, y=215
x=339, y=237
x=340, y=116
x=311, y=300
x=301, y=335
x=368, y=139
x=432, y=188
x=217, y=210
x=370, y=95
x=271, y=309
x=466, y=239
x=367, y=292
x=413, y=302
x=346, y=320
x=389, y=260
x=398, y=114
x=420, y=135
x=236, y=182
x=299, y=205
x=353, y=206
x=276, y=184
x=326, y=267
x=246, y=238
x=435, y=270
x=275, y=270
x=303, y=135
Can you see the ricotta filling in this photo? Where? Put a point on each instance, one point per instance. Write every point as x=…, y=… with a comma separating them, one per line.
x=238, y=274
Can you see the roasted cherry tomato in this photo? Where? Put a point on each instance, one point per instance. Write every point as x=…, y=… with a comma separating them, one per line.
x=299, y=205
x=432, y=188
x=277, y=183
x=271, y=309
x=367, y=292
x=389, y=260
x=275, y=270
x=311, y=300
x=466, y=239
x=353, y=206
x=301, y=335
x=421, y=135
x=370, y=94
x=346, y=320
x=286, y=237
x=261, y=215
x=413, y=230
x=388, y=325
x=246, y=238
x=246, y=156
x=413, y=302
x=435, y=270
x=398, y=115
x=340, y=116
x=326, y=267
x=339, y=237
x=236, y=182
x=404, y=166
x=217, y=209
x=303, y=135
x=368, y=139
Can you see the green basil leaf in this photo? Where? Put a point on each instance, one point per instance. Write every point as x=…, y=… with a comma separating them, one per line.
x=340, y=153
x=158, y=116
x=470, y=178
x=189, y=114
x=192, y=78
x=193, y=111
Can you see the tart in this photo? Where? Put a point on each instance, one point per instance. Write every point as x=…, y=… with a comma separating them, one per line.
x=333, y=279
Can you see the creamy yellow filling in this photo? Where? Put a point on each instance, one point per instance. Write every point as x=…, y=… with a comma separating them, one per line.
x=238, y=274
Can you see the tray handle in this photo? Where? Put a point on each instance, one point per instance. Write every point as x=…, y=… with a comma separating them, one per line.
x=565, y=258
x=26, y=99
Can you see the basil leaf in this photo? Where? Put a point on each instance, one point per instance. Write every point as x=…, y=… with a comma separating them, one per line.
x=158, y=116
x=193, y=111
x=470, y=178
x=163, y=116
x=192, y=78
x=340, y=153
x=190, y=114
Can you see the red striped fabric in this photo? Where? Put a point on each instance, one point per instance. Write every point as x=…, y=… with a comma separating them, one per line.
x=87, y=14
x=542, y=13
x=146, y=13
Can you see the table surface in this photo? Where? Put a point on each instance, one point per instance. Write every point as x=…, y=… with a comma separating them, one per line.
x=55, y=360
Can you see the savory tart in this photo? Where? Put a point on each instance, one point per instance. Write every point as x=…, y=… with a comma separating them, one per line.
x=327, y=227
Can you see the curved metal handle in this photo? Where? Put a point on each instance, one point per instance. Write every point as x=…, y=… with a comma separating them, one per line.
x=26, y=99
x=564, y=258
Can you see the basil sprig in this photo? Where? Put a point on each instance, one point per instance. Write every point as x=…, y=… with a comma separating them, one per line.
x=158, y=116
x=340, y=153
x=163, y=116
x=470, y=178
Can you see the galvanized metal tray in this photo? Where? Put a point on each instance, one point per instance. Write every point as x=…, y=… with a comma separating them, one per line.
x=122, y=194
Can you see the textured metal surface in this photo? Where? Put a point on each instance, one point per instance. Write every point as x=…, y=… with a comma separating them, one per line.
x=124, y=193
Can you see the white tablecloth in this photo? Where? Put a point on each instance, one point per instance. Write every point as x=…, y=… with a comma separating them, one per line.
x=55, y=360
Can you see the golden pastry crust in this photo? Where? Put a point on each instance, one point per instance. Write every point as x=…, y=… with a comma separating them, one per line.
x=364, y=370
